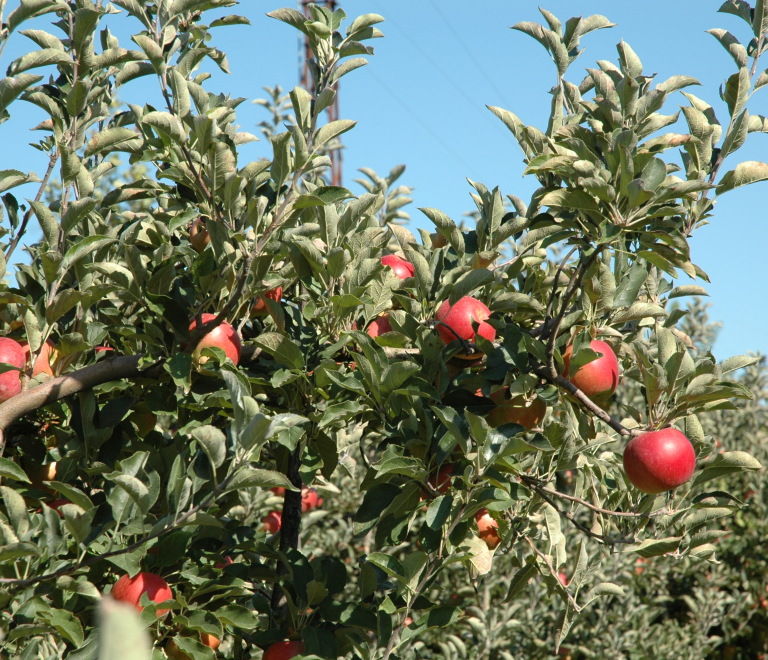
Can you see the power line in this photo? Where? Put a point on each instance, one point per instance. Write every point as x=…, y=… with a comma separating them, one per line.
x=439, y=69
x=419, y=120
x=466, y=49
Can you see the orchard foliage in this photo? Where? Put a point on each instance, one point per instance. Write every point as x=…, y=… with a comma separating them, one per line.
x=149, y=451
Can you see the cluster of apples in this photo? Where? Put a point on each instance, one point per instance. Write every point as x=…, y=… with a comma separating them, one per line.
x=309, y=500
x=130, y=590
x=17, y=354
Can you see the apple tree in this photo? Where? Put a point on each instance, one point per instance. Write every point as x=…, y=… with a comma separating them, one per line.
x=204, y=367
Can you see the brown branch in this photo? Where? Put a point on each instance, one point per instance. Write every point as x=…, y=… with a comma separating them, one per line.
x=28, y=215
x=556, y=286
x=569, y=516
x=116, y=368
x=539, y=487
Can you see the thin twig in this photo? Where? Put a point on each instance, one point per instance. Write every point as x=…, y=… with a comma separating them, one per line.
x=23, y=228
x=539, y=487
x=552, y=570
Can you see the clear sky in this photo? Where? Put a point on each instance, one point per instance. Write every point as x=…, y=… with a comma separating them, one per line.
x=422, y=99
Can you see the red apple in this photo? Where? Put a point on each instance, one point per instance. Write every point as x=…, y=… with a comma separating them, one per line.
x=488, y=528
x=402, y=268
x=278, y=490
x=563, y=579
x=48, y=354
x=272, y=521
x=223, y=337
x=379, y=326
x=11, y=353
x=309, y=500
x=442, y=481
x=516, y=410
x=597, y=379
x=260, y=308
x=658, y=461
x=283, y=651
x=408, y=621
x=129, y=589
x=460, y=317
x=226, y=561
x=198, y=235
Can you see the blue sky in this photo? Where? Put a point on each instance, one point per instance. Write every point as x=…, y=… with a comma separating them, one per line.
x=422, y=99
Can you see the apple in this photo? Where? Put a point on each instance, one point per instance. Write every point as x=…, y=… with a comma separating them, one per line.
x=309, y=500
x=198, y=235
x=223, y=337
x=11, y=353
x=488, y=528
x=48, y=354
x=226, y=561
x=173, y=651
x=403, y=269
x=272, y=521
x=260, y=308
x=438, y=240
x=408, y=621
x=597, y=379
x=563, y=579
x=460, y=317
x=516, y=410
x=129, y=590
x=43, y=473
x=278, y=490
x=658, y=461
x=103, y=349
x=379, y=326
x=283, y=650
x=442, y=481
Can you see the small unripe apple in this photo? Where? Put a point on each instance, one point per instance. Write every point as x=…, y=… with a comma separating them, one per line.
x=11, y=353
x=438, y=240
x=260, y=308
x=272, y=521
x=488, y=528
x=459, y=318
x=129, y=590
x=223, y=337
x=659, y=461
x=198, y=235
x=48, y=354
x=597, y=379
x=379, y=326
x=403, y=269
x=283, y=650
x=43, y=473
x=516, y=410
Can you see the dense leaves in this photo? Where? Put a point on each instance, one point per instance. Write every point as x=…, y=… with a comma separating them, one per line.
x=211, y=378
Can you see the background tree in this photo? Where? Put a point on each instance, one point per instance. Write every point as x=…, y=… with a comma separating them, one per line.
x=211, y=346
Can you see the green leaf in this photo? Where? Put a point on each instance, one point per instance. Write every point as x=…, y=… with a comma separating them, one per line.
x=687, y=290
x=657, y=547
x=237, y=617
x=732, y=45
x=9, y=469
x=67, y=625
x=121, y=635
x=573, y=199
x=38, y=58
x=254, y=477
x=332, y=130
x=84, y=247
x=282, y=348
x=749, y=171
x=213, y=443
x=110, y=139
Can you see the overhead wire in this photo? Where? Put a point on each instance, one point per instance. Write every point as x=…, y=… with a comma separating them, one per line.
x=472, y=102
x=469, y=52
x=420, y=121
